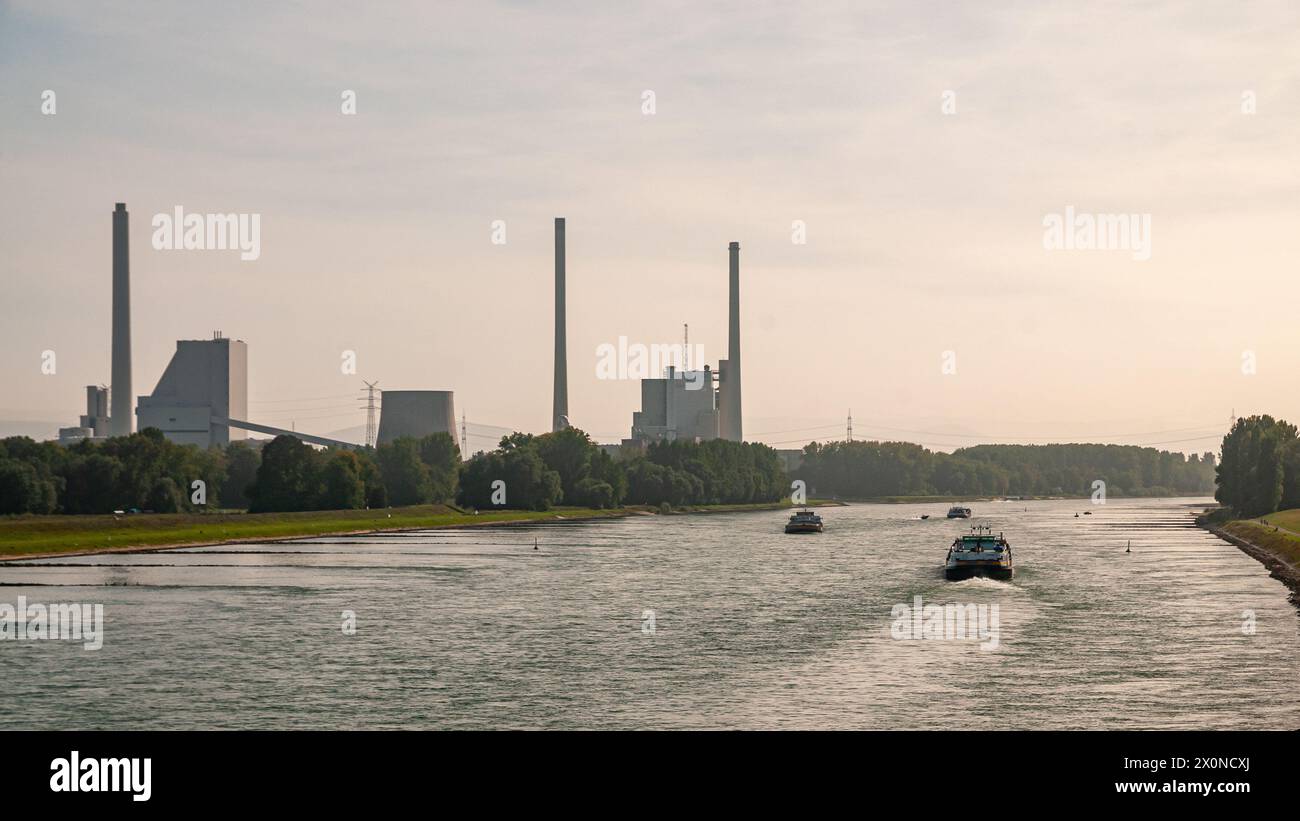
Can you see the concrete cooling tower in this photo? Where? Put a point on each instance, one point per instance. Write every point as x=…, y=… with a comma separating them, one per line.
x=417, y=414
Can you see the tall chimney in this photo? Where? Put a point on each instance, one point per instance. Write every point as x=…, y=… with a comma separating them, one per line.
x=731, y=409
x=122, y=414
x=560, y=415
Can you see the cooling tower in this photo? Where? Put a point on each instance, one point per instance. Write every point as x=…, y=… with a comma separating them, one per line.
x=417, y=414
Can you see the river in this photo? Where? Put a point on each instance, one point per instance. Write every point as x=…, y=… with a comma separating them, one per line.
x=693, y=621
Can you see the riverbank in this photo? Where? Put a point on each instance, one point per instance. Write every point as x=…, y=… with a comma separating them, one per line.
x=30, y=537
x=1273, y=541
x=950, y=500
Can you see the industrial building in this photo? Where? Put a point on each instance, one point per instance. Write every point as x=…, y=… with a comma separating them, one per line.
x=97, y=422
x=685, y=405
x=94, y=422
x=204, y=387
x=681, y=405
x=202, y=397
x=417, y=414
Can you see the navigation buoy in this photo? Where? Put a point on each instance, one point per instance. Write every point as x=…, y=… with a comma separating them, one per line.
x=1129, y=549
x=534, y=543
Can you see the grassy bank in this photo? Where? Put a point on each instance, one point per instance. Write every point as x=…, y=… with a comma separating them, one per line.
x=35, y=535
x=1274, y=540
x=1278, y=536
x=26, y=536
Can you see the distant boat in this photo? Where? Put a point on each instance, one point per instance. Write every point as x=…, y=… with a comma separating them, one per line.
x=804, y=521
x=958, y=512
x=979, y=554
x=925, y=515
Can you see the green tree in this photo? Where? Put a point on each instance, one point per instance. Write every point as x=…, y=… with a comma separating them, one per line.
x=23, y=490
x=568, y=452
x=288, y=478
x=242, y=462
x=1258, y=457
x=164, y=496
x=406, y=476
x=342, y=485
x=440, y=455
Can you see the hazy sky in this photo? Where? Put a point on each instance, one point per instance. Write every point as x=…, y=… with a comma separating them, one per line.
x=924, y=228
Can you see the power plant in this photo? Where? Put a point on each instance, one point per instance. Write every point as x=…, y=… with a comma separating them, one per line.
x=202, y=396
x=684, y=404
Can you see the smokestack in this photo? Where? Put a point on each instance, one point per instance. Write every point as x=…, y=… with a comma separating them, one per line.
x=730, y=377
x=560, y=415
x=121, y=417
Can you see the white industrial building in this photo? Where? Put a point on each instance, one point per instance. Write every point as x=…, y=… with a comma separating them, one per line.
x=204, y=387
x=681, y=405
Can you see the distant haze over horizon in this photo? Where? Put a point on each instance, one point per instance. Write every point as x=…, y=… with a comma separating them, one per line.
x=920, y=148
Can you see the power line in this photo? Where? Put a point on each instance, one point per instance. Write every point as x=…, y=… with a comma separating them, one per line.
x=1211, y=426
x=1206, y=438
x=299, y=399
x=370, y=412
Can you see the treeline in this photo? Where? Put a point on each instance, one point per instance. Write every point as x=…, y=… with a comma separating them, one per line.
x=145, y=471
x=407, y=471
x=566, y=467
x=1260, y=469
x=872, y=469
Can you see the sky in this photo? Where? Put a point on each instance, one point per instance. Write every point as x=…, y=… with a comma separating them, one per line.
x=918, y=147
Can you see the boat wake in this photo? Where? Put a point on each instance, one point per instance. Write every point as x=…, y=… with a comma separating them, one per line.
x=984, y=582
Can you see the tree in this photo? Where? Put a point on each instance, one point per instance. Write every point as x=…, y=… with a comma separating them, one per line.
x=92, y=485
x=23, y=490
x=164, y=496
x=288, y=478
x=593, y=493
x=376, y=493
x=342, y=486
x=1258, y=469
x=440, y=455
x=241, y=471
x=528, y=483
x=406, y=477
x=568, y=452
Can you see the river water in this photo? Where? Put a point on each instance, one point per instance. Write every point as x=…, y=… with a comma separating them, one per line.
x=696, y=621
